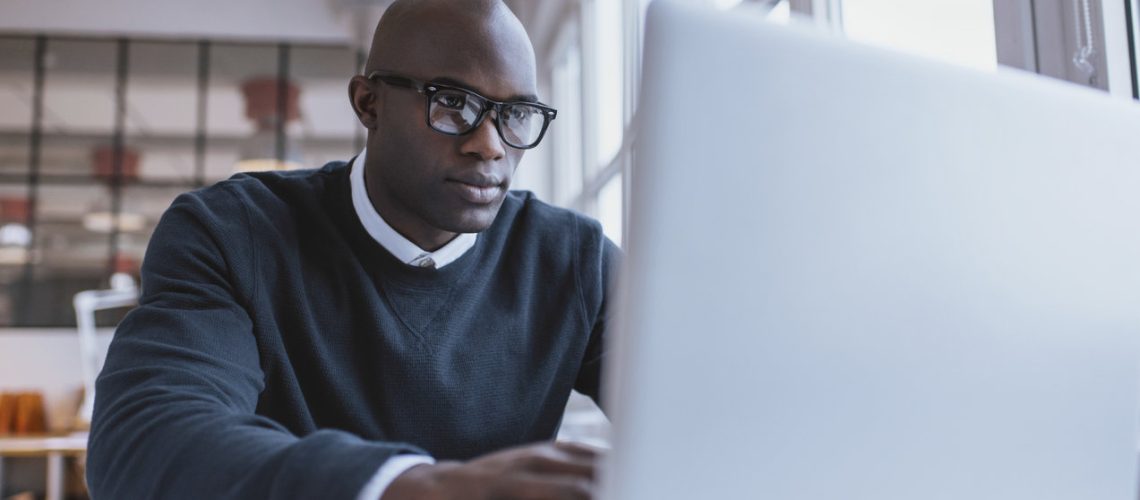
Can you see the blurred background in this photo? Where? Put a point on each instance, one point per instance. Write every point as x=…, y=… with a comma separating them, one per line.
x=110, y=109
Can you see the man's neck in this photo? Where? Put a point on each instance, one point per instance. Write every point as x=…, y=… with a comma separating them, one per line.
x=417, y=231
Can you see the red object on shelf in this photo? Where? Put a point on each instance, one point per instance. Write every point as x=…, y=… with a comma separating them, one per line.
x=261, y=100
x=103, y=163
x=127, y=264
x=14, y=209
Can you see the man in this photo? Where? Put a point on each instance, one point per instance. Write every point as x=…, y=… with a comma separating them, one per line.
x=399, y=326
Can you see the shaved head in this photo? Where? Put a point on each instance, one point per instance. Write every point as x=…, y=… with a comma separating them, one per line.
x=425, y=34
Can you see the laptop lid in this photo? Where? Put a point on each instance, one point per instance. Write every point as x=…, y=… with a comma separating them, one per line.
x=859, y=274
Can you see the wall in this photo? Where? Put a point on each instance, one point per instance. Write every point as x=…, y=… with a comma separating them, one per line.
x=298, y=20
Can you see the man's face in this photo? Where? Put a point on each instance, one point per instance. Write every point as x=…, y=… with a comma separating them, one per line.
x=428, y=180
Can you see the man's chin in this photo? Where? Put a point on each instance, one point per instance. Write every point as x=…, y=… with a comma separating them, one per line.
x=474, y=220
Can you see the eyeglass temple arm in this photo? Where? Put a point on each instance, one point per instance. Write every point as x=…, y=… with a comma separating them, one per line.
x=398, y=81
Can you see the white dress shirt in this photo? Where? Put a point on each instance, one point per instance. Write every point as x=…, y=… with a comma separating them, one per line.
x=412, y=255
x=393, y=241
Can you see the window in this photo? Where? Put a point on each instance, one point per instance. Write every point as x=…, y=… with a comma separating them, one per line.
x=607, y=82
x=566, y=136
x=960, y=31
x=595, y=67
x=1087, y=42
x=610, y=201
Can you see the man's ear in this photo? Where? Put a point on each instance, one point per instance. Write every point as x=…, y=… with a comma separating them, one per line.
x=364, y=101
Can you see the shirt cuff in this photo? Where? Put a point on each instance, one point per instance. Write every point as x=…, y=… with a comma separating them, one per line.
x=388, y=472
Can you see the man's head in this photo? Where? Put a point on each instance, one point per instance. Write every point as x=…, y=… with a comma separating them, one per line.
x=426, y=184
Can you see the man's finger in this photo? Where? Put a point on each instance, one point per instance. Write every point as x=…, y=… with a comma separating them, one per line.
x=546, y=487
x=562, y=464
x=579, y=449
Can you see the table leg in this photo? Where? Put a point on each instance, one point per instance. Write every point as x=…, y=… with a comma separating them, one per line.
x=55, y=476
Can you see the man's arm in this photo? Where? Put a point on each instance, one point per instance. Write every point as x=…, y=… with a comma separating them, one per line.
x=598, y=270
x=175, y=408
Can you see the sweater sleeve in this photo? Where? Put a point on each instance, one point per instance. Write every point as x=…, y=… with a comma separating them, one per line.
x=175, y=407
x=598, y=270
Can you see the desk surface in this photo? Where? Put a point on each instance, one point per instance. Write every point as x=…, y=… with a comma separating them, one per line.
x=40, y=445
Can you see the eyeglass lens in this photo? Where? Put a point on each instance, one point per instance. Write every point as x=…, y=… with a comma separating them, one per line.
x=455, y=112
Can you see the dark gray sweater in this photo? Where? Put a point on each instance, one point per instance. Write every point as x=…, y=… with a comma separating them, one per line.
x=278, y=351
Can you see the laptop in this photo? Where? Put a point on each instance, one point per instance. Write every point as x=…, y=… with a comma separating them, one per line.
x=858, y=274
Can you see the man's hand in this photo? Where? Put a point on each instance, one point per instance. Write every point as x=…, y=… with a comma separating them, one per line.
x=533, y=472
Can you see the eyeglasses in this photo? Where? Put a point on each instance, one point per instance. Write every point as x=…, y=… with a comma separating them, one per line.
x=457, y=111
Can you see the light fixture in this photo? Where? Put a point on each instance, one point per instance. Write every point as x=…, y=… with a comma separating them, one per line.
x=15, y=234
x=106, y=222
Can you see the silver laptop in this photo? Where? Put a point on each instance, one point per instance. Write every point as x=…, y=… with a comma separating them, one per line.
x=856, y=274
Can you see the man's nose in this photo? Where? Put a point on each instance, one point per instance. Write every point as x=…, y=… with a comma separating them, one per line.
x=484, y=142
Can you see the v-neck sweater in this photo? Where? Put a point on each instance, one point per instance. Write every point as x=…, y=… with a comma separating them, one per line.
x=279, y=351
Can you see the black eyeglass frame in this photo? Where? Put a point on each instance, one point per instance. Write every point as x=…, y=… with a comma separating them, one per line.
x=429, y=89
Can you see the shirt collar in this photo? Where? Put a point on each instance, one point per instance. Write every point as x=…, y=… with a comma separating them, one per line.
x=392, y=241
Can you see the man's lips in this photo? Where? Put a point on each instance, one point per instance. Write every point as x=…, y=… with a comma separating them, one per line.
x=477, y=179
x=479, y=191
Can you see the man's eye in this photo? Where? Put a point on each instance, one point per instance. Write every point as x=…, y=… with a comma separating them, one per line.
x=450, y=101
x=518, y=113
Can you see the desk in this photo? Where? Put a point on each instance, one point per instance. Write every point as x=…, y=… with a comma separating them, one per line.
x=55, y=448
